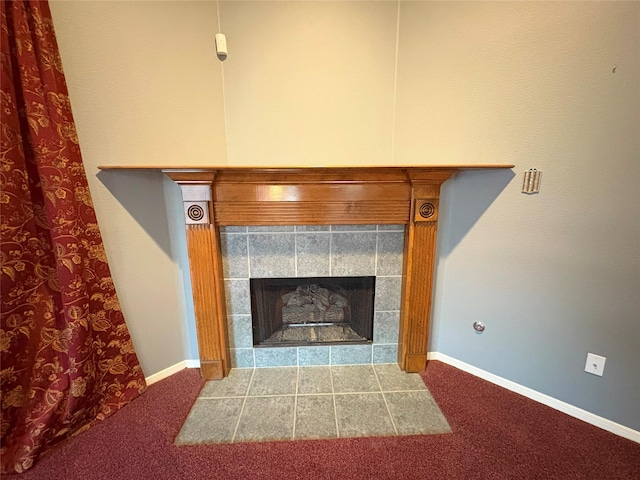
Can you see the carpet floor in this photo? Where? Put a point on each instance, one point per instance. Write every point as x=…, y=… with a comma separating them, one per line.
x=497, y=434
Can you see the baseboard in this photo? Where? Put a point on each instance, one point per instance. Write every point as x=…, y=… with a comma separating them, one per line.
x=567, y=408
x=167, y=372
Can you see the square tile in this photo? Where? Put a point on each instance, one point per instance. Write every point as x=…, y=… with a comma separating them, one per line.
x=353, y=228
x=314, y=380
x=362, y=415
x=235, y=384
x=274, y=381
x=385, y=353
x=386, y=326
x=276, y=357
x=242, y=358
x=272, y=255
x=240, y=331
x=356, y=378
x=210, y=421
x=399, y=227
x=235, y=262
x=315, y=417
x=238, y=297
x=350, y=354
x=390, y=251
x=270, y=228
x=312, y=254
x=353, y=253
x=315, y=355
x=387, y=293
x=392, y=379
x=416, y=413
x=266, y=418
x=233, y=229
x=313, y=228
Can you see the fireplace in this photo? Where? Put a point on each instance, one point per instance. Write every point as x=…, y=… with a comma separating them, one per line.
x=312, y=311
x=218, y=197
x=287, y=257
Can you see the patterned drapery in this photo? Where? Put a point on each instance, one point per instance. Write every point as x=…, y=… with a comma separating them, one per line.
x=66, y=355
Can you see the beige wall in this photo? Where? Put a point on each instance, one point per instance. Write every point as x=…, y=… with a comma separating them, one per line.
x=309, y=83
x=553, y=275
x=146, y=89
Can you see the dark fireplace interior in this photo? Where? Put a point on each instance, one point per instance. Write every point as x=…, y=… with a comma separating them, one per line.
x=312, y=310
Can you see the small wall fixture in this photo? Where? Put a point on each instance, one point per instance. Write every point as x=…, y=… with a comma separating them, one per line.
x=478, y=327
x=531, y=183
x=221, y=46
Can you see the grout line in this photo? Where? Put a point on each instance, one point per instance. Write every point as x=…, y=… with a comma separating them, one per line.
x=295, y=405
x=381, y=391
x=330, y=251
x=319, y=394
x=333, y=396
x=316, y=394
x=375, y=257
x=395, y=429
x=248, y=258
x=295, y=253
x=303, y=232
x=242, y=409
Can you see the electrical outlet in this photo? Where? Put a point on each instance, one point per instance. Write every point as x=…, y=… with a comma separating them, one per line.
x=595, y=364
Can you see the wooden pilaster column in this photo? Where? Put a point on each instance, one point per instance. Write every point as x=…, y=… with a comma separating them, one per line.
x=418, y=270
x=207, y=284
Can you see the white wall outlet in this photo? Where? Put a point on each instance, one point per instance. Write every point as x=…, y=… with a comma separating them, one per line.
x=595, y=364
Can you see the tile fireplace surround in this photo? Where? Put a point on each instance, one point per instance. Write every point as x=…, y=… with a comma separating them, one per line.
x=221, y=196
x=312, y=251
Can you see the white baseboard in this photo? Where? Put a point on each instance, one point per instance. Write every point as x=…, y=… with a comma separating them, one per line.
x=567, y=408
x=167, y=372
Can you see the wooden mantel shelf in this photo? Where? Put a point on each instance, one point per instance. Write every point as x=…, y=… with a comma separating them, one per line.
x=216, y=196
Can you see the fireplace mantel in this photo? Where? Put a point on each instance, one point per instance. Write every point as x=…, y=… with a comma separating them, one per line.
x=223, y=196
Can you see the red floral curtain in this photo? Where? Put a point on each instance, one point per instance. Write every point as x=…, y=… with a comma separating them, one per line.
x=66, y=355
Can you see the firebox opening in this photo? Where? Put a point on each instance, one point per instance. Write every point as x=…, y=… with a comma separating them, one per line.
x=312, y=310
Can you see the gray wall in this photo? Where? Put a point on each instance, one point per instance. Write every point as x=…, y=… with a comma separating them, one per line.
x=553, y=275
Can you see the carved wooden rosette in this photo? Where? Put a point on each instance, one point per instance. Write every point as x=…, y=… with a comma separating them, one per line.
x=205, y=264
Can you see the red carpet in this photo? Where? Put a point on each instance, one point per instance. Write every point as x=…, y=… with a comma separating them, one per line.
x=497, y=434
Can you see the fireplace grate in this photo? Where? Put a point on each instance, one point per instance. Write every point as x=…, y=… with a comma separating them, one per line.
x=310, y=311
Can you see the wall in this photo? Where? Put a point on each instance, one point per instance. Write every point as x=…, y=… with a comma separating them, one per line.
x=553, y=275
x=134, y=103
x=309, y=83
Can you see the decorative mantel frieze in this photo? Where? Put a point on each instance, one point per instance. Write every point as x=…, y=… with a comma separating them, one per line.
x=225, y=196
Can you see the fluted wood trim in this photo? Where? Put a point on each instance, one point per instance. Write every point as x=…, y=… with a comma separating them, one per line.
x=208, y=298
x=420, y=245
x=317, y=213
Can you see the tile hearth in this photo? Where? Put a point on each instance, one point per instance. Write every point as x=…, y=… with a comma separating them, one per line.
x=290, y=403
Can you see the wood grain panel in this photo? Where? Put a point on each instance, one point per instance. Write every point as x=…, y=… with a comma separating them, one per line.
x=208, y=299
x=301, y=192
x=320, y=213
x=415, y=311
x=313, y=175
